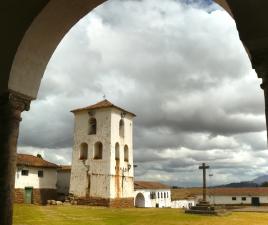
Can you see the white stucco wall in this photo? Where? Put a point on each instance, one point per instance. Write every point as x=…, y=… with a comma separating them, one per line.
x=48, y=181
x=227, y=200
x=94, y=168
x=63, y=181
x=151, y=203
x=126, y=169
x=104, y=181
x=183, y=203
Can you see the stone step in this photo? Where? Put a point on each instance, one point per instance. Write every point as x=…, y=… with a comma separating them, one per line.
x=203, y=207
x=201, y=212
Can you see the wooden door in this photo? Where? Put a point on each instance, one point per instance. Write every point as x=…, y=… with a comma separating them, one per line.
x=28, y=195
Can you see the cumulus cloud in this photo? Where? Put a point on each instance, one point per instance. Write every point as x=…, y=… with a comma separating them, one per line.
x=178, y=65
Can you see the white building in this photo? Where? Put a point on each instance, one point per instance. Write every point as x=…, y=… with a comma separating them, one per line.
x=35, y=180
x=238, y=196
x=102, y=160
x=254, y=196
x=183, y=203
x=151, y=195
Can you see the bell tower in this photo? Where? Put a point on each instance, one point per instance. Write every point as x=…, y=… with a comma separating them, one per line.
x=102, y=160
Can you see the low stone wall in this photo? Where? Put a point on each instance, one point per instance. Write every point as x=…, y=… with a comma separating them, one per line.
x=122, y=203
x=113, y=203
x=40, y=196
x=19, y=196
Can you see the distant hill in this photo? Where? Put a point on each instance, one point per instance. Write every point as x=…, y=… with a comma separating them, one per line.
x=261, y=179
x=240, y=184
x=254, y=183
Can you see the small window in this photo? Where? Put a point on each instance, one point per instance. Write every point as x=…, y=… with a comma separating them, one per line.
x=83, y=151
x=234, y=198
x=25, y=172
x=126, y=153
x=158, y=195
x=98, y=150
x=117, y=152
x=40, y=173
x=244, y=198
x=92, y=129
x=161, y=194
x=152, y=195
x=165, y=195
x=121, y=128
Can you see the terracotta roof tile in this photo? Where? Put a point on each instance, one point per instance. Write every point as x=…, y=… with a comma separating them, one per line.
x=184, y=193
x=30, y=160
x=65, y=167
x=149, y=185
x=102, y=104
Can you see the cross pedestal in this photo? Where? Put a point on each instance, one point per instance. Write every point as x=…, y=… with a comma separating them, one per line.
x=204, y=207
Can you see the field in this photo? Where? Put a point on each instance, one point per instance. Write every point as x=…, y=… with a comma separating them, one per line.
x=79, y=215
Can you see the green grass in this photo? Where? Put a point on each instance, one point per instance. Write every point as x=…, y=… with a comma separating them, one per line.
x=79, y=215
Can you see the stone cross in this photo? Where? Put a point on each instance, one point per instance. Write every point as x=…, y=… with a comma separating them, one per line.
x=204, y=167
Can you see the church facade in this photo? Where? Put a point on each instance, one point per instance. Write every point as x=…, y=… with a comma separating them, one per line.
x=102, y=160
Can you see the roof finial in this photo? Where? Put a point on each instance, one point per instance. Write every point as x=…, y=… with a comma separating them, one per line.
x=104, y=96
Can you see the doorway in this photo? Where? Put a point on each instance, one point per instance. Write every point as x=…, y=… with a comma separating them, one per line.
x=140, y=201
x=28, y=195
x=255, y=201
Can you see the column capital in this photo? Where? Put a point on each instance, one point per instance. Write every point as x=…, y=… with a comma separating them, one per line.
x=15, y=103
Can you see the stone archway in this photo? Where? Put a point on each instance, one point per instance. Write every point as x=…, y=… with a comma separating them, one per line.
x=41, y=38
x=31, y=32
x=140, y=200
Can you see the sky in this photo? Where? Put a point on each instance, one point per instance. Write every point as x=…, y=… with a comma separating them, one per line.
x=181, y=68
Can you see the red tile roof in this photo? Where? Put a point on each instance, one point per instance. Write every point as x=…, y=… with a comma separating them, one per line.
x=65, y=168
x=33, y=161
x=184, y=193
x=102, y=104
x=149, y=185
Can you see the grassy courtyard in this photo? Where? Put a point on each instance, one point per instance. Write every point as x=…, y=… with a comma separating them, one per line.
x=78, y=215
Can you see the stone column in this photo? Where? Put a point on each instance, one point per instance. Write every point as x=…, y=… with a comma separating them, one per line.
x=11, y=106
x=264, y=86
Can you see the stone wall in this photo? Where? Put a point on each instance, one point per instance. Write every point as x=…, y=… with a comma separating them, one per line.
x=40, y=196
x=113, y=203
x=122, y=203
x=19, y=196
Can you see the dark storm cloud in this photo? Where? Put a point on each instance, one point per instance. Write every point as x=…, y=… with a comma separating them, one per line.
x=180, y=67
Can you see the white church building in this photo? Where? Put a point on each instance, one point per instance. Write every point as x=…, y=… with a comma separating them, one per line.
x=152, y=195
x=102, y=160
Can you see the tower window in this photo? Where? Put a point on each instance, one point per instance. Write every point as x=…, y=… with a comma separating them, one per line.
x=83, y=151
x=117, y=151
x=92, y=129
x=98, y=150
x=126, y=153
x=121, y=128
